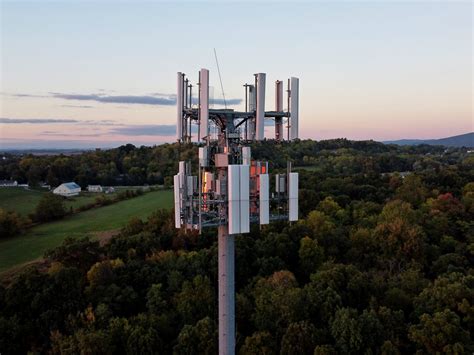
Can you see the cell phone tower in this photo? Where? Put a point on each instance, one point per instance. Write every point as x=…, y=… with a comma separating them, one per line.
x=230, y=190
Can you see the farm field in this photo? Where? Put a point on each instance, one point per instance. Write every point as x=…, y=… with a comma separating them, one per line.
x=37, y=240
x=24, y=201
x=19, y=199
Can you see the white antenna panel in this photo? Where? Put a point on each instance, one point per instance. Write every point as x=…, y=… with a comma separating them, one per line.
x=278, y=95
x=190, y=185
x=182, y=167
x=280, y=183
x=179, y=106
x=260, y=114
x=234, y=198
x=293, y=197
x=244, y=198
x=278, y=108
x=177, y=202
x=204, y=103
x=294, y=107
x=252, y=98
x=264, y=199
x=203, y=157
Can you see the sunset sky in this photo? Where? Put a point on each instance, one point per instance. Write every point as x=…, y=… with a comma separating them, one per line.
x=80, y=74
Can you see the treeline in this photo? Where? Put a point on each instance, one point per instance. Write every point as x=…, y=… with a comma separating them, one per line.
x=378, y=264
x=130, y=165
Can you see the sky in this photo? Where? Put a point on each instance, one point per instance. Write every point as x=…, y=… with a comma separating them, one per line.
x=77, y=74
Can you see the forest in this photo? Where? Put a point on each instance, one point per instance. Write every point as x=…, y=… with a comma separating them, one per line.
x=380, y=261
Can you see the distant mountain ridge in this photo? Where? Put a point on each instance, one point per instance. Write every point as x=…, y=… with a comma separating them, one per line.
x=462, y=140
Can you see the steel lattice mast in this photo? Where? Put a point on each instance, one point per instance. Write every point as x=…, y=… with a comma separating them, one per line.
x=230, y=190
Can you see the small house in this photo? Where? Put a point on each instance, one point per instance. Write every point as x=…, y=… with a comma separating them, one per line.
x=94, y=188
x=67, y=189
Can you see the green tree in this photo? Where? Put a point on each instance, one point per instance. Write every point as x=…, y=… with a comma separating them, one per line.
x=278, y=302
x=259, y=343
x=400, y=238
x=412, y=191
x=347, y=331
x=200, y=338
x=311, y=255
x=441, y=333
x=11, y=224
x=196, y=299
x=81, y=253
x=50, y=207
x=156, y=302
x=299, y=338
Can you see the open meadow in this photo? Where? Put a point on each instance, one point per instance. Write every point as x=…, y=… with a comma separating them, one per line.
x=37, y=240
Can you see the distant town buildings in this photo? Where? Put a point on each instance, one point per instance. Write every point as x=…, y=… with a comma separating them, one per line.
x=67, y=189
x=8, y=183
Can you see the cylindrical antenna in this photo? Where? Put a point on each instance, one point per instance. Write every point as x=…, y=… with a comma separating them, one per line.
x=186, y=82
x=288, y=110
x=199, y=106
x=184, y=105
x=190, y=95
x=190, y=106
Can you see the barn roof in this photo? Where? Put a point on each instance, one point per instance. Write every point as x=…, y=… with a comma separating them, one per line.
x=71, y=185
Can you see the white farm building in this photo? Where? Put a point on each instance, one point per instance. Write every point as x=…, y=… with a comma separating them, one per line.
x=8, y=183
x=67, y=189
x=94, y=188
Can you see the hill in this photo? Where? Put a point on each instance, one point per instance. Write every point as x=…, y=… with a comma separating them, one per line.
x=462, y=140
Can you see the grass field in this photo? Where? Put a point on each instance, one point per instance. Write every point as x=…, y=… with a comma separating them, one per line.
x=19, y=200
x=37, y=240
x=24, y=201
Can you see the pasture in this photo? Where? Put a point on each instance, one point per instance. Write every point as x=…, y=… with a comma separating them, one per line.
x=37, y=240
x=23, y=201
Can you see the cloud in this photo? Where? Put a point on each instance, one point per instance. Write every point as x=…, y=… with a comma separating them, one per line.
x=158, y=99
x=119, y=99
x=60, y=134
x=36, y=120
x=145, y=130
x=24, y=95
x=101, y=123
x=78, y=106
x=59, y=120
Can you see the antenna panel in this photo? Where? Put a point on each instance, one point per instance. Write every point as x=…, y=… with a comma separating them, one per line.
x=234, y=198
x=177, y=202
x=293, y=197
x=278, y=108
x=179, y=106
x=294, y=107
x=264, y=199
x=203, y=157
x=190, y=184
x=204, y=103
x=246, y=155
x=280, y=183
x=252, y=98
x=260, y=114
x=244, y=199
